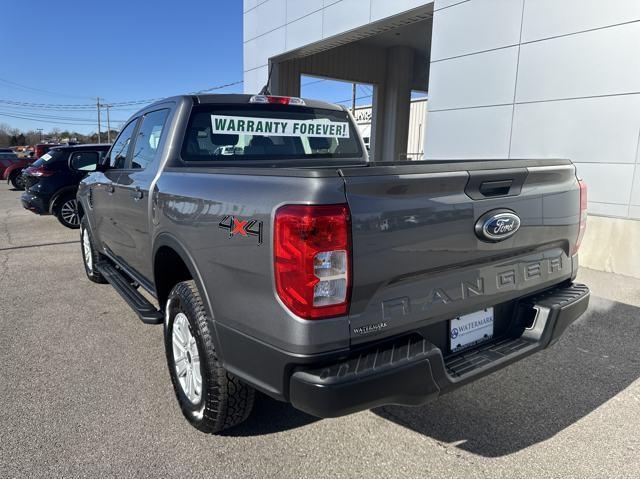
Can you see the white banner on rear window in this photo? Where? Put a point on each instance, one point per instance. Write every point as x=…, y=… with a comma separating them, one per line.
x=245, y=125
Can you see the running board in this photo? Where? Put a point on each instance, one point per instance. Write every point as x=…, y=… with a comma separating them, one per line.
x=146, y=311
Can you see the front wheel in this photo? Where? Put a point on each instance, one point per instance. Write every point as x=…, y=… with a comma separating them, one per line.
x=17, y=181
x=67, y=212
x=90, y=255
x=211, y=398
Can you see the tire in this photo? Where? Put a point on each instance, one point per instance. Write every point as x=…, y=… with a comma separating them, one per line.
x=222, y=401
x=66, y=210
x=17, y=181
x=89, y=254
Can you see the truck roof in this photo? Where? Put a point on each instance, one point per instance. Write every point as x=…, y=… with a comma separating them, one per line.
x=240, y=98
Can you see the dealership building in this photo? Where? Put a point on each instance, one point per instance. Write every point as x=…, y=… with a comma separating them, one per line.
x=504, y=79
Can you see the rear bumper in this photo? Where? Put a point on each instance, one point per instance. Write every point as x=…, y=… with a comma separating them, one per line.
x=33, y=203
x=412, y=371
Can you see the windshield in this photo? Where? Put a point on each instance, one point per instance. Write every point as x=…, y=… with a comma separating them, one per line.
x=268, y=132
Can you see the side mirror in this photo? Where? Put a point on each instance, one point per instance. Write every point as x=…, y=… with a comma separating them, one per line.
x=84, y=161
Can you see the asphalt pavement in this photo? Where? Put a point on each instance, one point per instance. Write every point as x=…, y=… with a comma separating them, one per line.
x=85, y=392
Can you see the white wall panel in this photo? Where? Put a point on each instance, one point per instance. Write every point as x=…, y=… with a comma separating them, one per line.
x=635, y=195
x=385, y=8
x=254, y=80
x=475, y=26
x=607, y=209
x=304, y=31
x=300, y=8
x=258, y=51
x=264, y=18
x=600, y=62
x=344, y=16
x=581, y=130
x=477, y=80
x=440, y=4
x=549, y=18
x=477, y=133
x=634, y=212
x=607, y=183
x=249, y=4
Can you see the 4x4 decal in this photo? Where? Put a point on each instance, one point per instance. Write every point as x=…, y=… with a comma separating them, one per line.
x=238, y=226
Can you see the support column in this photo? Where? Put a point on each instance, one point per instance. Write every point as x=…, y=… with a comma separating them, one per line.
x=394, y=117
x=285, y=79
x=377, y=123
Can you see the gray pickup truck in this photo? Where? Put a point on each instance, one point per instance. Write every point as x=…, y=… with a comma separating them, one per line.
x=280, y=259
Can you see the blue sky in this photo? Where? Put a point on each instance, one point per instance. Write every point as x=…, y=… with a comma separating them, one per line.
x=128, y=51
x=70, y=52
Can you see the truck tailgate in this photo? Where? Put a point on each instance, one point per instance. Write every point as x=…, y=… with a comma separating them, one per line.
x=417, y=259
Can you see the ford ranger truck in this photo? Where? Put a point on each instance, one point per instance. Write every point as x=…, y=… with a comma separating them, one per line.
x=280, y=259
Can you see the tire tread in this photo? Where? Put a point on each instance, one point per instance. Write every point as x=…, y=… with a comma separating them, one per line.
x=229, y=401
x=94, y=276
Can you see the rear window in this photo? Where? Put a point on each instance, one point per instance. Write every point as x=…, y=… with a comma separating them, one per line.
x=268, y=132
x=50, y=157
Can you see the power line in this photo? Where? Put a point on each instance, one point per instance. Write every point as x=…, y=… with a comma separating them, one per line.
x=351, y=99
x=51, y=109
x=364, y=90
x=37, y=90
x=151, y=100
x=92, y=106
x=56, y=122
x=48, y=105
x=42, y=116
x=219, y=87
x=314, y=82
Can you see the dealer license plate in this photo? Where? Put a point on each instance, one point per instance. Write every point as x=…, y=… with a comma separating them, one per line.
x=471, y=329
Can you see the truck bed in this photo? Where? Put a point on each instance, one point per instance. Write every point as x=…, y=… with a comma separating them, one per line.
x=416, y=258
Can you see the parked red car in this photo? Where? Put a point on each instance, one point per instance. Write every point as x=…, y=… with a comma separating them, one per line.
x=42, y=148
x=11, y=165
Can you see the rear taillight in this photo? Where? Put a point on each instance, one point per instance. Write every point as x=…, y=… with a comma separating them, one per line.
x=312, y=249
x=583, y=215
x=39, y=171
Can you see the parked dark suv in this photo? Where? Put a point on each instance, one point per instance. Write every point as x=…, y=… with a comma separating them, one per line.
x=51, y=186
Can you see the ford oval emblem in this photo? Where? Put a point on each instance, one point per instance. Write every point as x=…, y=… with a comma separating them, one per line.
x=497, y=225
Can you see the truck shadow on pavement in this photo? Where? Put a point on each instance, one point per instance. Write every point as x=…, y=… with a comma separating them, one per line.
x=535, y=399
x=270, y=416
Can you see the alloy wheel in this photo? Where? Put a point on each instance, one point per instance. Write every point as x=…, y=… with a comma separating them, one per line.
x=186, y=359
x=86, y=245
x=69, y=212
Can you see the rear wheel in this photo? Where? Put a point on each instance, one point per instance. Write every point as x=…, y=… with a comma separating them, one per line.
x=211, y=398
x=67, y=211
x=90, y=256
x=17, y=181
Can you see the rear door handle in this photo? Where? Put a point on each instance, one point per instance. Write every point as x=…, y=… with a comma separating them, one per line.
x=137, y=194
x=110, y=188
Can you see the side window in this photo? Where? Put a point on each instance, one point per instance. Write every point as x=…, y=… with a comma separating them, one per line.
x=118, y=154
x=148, y=139
x=85, y=160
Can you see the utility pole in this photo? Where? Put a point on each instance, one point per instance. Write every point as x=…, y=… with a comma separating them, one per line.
x=108, y=125
x=40, y=130
x=353, y=100
x=98, y=104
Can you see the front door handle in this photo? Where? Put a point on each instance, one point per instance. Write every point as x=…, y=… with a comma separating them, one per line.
x=137, y=194
x=110, y=188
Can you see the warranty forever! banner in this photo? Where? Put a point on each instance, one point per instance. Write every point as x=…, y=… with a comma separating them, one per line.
x=244, y=125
